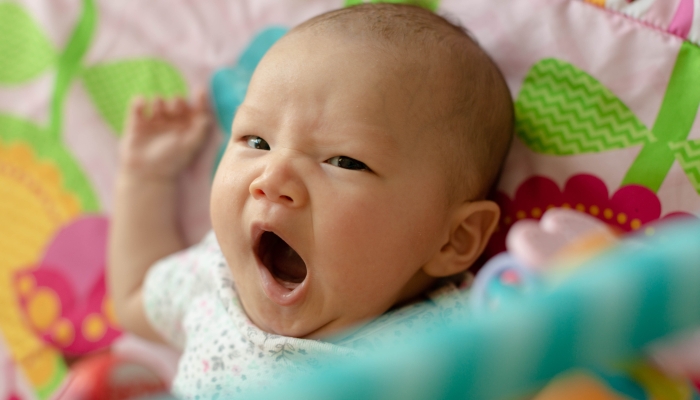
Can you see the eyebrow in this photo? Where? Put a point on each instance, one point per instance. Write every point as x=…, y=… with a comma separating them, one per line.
x=245, y=113
x=245, y=109
x=385, y=141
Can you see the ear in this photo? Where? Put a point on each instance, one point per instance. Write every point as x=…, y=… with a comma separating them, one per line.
x=471, y=226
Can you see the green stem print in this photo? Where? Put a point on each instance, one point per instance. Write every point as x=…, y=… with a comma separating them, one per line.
x=69, y=65
x=673, y=124
x=25, y=53
x=561, y=110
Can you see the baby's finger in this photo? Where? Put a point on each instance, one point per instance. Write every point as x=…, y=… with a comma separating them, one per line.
x=201, y=127
x=158, y=108
x=137, y=115
x=170, y=110
x=179, y=107
x=137, y=108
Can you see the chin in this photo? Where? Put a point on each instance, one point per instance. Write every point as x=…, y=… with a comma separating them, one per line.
x=291, y=330
x=269, y=318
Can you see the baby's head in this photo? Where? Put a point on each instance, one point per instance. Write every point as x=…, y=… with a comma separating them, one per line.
x=357, y=168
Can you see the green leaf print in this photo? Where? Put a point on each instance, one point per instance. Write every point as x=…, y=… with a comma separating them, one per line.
x=687, y=153
x=431, y=5
x=561, y=110
x=113, y=85
x=24, y=50
x=14, y=129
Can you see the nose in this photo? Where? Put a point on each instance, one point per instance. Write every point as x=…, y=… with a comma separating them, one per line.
x=280, y=183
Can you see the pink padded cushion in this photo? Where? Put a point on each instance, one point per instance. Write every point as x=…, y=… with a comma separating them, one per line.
x=606, y=120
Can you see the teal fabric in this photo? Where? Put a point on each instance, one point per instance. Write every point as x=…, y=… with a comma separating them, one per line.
x=606, y=312
x=229, y=85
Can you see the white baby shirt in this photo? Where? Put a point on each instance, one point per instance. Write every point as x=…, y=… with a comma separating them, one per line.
x=190, y=299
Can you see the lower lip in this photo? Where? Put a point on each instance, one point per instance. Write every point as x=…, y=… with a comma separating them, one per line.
x=278, y=293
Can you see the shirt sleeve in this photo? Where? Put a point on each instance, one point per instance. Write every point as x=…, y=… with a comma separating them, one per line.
x=172, y=283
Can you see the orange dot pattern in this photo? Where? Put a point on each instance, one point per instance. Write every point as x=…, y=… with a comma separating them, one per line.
x=620, y=218
x=44, y=309
x=94, y=327
x=63, y=332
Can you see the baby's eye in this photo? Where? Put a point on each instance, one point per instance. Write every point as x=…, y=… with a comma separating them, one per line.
x=256, y=142
x=347, y=163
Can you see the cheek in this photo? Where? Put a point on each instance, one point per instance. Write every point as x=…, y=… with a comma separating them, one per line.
x=228, y=196
x=372, y=243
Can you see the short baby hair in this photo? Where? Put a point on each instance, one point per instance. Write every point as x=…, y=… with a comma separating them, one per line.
x=478, y=116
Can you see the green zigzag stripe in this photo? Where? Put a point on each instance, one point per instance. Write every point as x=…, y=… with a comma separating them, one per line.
x=431, y=5
x=562, y=110
x=687, y=154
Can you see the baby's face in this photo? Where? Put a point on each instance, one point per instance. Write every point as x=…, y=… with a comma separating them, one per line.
x=331, y=195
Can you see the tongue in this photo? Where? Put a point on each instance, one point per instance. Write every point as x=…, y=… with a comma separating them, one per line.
x=287, y=267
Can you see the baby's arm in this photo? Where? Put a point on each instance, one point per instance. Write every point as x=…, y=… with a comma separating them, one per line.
x=155, y=149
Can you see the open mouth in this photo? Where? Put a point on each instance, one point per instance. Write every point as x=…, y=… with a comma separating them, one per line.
x=283, y=262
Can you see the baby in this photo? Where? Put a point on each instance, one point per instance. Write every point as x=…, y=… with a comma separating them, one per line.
x=353, y=184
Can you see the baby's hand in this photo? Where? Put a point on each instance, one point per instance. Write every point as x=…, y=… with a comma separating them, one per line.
x=161, y=143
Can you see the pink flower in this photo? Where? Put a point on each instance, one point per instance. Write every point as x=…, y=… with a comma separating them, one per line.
x=629, y=209
x=64, y=296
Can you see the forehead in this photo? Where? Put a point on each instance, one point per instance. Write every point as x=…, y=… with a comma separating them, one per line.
x=332, y=79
